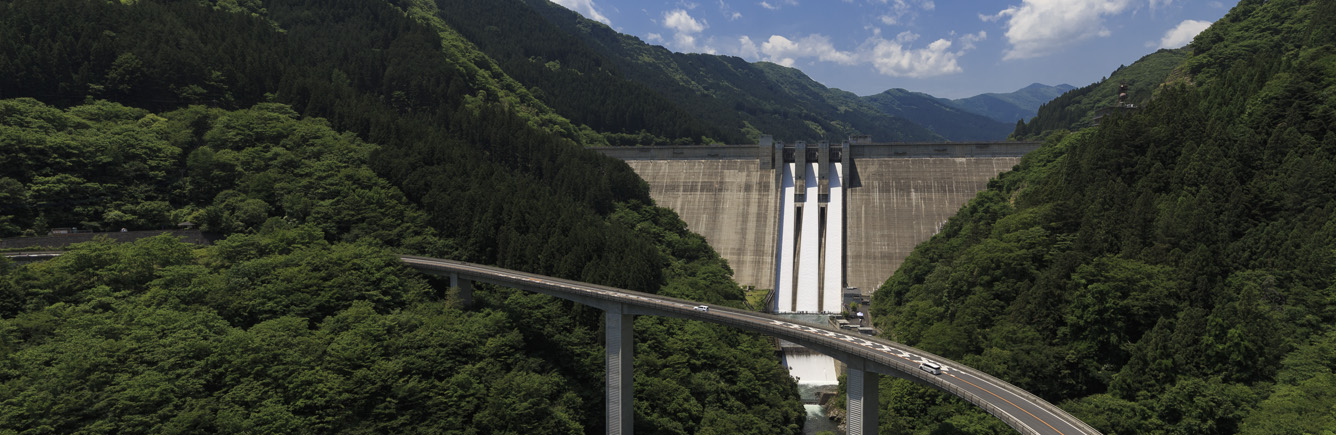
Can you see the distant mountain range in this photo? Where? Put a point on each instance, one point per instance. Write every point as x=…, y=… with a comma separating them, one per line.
x=981, y=117
x=629, y=92
x=1011, y=107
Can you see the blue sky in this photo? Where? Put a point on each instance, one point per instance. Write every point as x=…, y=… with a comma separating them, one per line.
x=948, y=48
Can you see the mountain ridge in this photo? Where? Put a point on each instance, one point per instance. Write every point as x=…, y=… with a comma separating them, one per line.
x=1009, y=107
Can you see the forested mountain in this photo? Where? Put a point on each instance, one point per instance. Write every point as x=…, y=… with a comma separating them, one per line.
x=321, y=138
x=941, y=117
x=740, y=98
x=1167, y=272
x=1014, y=106
x=1076, y=108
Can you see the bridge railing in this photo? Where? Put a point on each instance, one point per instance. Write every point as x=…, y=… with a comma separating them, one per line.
x=683, y=309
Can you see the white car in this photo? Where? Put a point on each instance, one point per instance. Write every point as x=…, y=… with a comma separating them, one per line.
x=701, y=308
x=931, y=367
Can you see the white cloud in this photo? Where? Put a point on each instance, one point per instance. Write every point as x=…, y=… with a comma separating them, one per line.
x=896, y=58
x=785, y=51
x=777, y=4
x=682, y=22
x=967, y=41
x=586, y=8
x=655, y=37
x=1038, y=28
x=747, y=48
x=685, y=28
x=1183, y=33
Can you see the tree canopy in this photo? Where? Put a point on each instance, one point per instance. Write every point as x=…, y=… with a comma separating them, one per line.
x=1171, y=270
x=320, y=139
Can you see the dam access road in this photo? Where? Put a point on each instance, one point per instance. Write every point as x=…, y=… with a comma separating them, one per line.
x=866, y=357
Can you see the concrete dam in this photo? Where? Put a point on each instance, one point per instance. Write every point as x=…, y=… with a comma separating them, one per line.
x=861, y=209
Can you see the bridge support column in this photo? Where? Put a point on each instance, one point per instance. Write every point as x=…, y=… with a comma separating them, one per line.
x=861, y=404
x=620, y=337
x=465, y=287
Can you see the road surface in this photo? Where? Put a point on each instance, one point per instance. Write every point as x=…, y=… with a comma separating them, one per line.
x=1023, y=411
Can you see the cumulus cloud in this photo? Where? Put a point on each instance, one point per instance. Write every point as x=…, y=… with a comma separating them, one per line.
x=785, y=51
x=1038, y=28
x=586, y=8
x=685, y=30
x=1183, y=33
x=682, y=22
x=897, y=57
x=747, y=48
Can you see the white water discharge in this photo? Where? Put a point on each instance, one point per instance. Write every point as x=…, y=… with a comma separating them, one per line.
x=809, y=262
x=816, y=373
x=787, y=215
x=812, y=368
x=834, y=274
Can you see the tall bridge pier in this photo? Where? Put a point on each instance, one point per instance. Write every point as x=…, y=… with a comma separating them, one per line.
x=619, y=355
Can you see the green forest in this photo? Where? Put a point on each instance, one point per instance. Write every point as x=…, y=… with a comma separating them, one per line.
x=1171, y=271
x=321, y=140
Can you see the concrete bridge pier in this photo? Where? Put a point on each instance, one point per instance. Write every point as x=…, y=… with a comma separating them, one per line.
x=861, y=403
x=620, y=390
x=465, y=287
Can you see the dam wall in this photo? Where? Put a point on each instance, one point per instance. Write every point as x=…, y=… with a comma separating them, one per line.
x=903, y=202
x=899, y=196
x=732, y=203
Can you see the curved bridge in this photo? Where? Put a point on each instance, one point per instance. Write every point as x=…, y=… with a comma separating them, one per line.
x=866, y=357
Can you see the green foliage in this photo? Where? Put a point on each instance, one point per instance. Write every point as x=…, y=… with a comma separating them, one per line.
x=306, y=324
x=107, y=166
x=618, y=81
x=1171, y=270
x=1077, y=108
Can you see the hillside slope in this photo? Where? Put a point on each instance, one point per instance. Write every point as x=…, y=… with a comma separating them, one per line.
x=1076, y=108
x=1169, y=271
x=951, y=122
x=226, y=108
x=746, y=99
